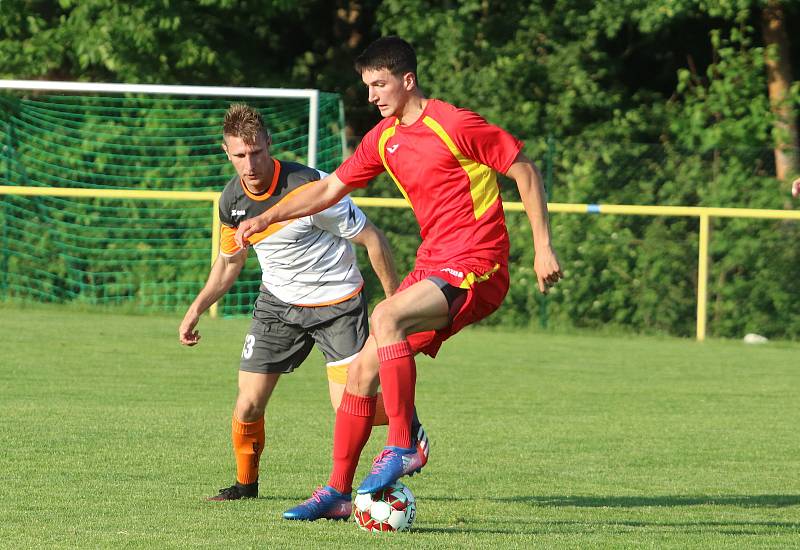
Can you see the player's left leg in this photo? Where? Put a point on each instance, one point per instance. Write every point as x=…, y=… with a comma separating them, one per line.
x=344, y=332
x=420, y=307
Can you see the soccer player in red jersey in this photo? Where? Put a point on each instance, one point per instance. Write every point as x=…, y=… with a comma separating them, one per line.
x=445, y=161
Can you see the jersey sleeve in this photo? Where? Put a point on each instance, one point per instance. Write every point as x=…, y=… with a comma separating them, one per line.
x=224, y=211
x=484, y=142
x=227, y=245
x=344, y=219
x=364, y=164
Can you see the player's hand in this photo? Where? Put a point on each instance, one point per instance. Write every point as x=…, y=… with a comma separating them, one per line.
x=796, y=188
x=548, y=270
x=247, y=228
x=186, y=333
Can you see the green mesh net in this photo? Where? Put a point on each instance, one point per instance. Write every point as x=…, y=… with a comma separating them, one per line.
x=139, y=254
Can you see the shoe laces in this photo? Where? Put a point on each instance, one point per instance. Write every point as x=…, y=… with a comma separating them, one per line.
x=317, y=495
x=382, y=460
x=229, y=492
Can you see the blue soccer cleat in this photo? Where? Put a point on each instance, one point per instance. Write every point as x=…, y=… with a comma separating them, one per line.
x=390, y=465
x=395, y=462
x=420, y=457
x=325, y=503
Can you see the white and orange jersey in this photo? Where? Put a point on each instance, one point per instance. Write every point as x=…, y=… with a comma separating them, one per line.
x=307, y=261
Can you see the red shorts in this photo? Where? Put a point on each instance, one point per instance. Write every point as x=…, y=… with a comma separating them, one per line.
x=486, y=285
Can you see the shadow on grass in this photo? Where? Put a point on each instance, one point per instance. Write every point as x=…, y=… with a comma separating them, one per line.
x=545, y=527
x=745, y=501
x=666, y=501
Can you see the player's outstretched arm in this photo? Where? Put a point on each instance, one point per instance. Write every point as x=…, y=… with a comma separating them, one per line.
x=531, y=191
x=310, y=199
x=223, y=274
x=380, y=256
x=796, y=188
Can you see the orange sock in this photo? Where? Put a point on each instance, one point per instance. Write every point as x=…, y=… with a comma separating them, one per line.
x=248, y=442
x=380, y=418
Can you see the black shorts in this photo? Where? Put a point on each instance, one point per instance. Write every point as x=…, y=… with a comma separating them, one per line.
x=281, y=335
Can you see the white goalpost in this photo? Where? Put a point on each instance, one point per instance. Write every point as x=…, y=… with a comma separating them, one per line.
x=223, y=91
x=123, y=179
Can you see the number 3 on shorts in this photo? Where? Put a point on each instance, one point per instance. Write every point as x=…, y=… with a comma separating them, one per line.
x=247, y=350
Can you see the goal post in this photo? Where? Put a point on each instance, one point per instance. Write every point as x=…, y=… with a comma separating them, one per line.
x=91, y=143
x=209, y=91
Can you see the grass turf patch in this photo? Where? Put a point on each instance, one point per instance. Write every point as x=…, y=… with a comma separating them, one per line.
x=112, y=434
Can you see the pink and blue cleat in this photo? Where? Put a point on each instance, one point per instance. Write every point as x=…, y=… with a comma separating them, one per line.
x=395, y=462
x=325, y=503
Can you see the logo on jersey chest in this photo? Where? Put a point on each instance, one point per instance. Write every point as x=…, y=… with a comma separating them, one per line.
x=393, y=148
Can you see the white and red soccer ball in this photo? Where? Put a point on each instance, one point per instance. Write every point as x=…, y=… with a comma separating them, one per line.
x=391, y=509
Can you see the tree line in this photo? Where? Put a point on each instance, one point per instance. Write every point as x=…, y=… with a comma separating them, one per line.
x=673, y=102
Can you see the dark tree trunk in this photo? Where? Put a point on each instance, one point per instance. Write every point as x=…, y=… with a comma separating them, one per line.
x=779, y=73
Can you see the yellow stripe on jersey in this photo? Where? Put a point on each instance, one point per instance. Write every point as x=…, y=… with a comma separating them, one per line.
x=387, y=133
x=482, y=179
x=471, y=279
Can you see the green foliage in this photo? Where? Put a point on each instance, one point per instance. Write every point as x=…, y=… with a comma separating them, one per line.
x=151, y=255
x=646, y=102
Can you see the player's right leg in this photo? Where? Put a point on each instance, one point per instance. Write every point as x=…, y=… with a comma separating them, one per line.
x=272, y=347
x=247, y=433
x=351, y=431
x=419, y=437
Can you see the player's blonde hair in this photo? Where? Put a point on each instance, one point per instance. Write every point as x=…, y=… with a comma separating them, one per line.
x=244, y=122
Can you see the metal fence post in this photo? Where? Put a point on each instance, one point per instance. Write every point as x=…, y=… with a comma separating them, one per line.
x=702, y=276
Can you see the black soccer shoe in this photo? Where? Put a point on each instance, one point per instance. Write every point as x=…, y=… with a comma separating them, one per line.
x=237, y=491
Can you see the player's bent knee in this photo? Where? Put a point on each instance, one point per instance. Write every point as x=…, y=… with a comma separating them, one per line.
x=383, y=319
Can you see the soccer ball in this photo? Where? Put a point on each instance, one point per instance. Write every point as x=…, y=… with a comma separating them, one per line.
x=391, y=509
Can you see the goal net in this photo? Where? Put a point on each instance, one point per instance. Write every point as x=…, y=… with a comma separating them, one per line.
x=142, y=252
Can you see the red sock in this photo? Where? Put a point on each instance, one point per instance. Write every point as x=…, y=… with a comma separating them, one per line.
x=350, y=434
x=398, y=377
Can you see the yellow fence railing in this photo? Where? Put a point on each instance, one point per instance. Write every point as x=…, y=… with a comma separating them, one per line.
x=704, y=214
x=211, y=196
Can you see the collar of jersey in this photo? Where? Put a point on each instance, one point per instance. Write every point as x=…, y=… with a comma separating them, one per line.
x=268, y=193
x=417, y=122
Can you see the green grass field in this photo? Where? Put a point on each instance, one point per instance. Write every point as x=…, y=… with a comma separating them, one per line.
x=112, y=434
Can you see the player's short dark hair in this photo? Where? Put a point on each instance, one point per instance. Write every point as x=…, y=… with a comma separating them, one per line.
x=391, y=53
x=244, y=122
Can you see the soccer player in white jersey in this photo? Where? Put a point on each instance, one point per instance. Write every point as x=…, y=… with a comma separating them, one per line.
x=311, y=291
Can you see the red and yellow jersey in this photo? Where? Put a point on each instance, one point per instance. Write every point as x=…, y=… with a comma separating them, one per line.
x=445, y=165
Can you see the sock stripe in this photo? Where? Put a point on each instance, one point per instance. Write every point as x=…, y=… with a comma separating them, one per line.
x=358, y=405
x=247, y=428
x=395, y=351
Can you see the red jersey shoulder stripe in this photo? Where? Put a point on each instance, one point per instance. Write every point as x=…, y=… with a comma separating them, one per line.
x=482, y=179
